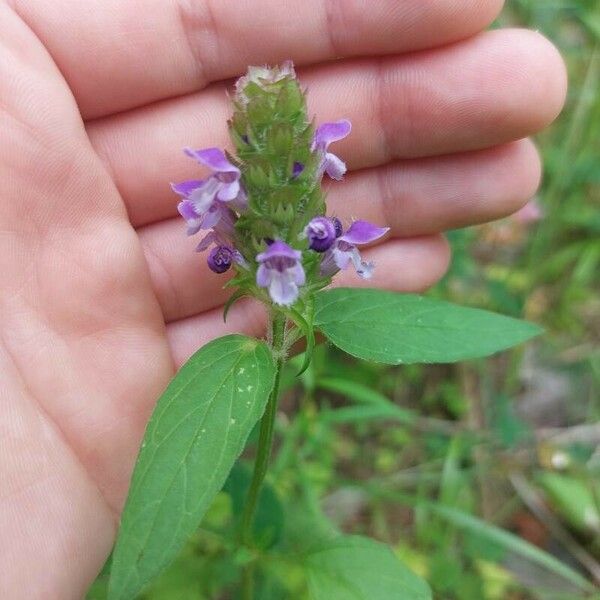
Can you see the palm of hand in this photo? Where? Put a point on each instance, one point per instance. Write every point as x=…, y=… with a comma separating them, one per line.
x=100, y=298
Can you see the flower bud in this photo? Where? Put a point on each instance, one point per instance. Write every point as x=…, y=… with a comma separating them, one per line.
x=321, y=233
x=220, y=258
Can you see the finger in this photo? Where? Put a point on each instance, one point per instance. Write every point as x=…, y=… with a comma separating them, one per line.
x=138, y=52
x=500, y=86
x=410, y=265
x=425, y=196
x=56, y=526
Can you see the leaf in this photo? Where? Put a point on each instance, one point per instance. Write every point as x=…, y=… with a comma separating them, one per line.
x=357, y=568
x=509, y=541
x=308, y=330
x=372, y=405
x=237, y=295
x=574, y=499
x=197, y=431
x=404, y=328
x=269, y=519
x=381, y=405
x=358, y=414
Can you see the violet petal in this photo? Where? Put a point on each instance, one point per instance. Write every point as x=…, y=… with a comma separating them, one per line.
x=342, y=256
x=212, y=216
x=187, y=210
x=206, y=241
x=297, y=274
x=185, y=188
x=203, y=196
x=363, y=269
x=282, y=289
x=213, y=158
x=229, y=191
x=192, y=218
x=263, y=276
x=328, y=133
x=334, y=166
x=279, y=249
x=363, y=232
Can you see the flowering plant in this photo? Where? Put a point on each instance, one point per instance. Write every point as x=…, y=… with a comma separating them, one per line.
x=261, y=215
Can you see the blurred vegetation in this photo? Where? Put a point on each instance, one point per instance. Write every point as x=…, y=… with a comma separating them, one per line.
x=483, y=476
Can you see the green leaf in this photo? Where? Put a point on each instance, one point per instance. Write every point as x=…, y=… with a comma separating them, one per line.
x=574, y=499
x=381, y=406
x=237, y=295
x=373, y=405
x=509, y=541
x=269, y=519
x=357, y=568
x=197, y=431
x=404, y=328
x=358, y=414
x=309, y=331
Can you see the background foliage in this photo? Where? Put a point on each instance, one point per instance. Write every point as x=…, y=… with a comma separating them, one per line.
x=483, y=476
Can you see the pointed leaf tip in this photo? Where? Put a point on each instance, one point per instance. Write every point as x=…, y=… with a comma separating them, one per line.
x=397, y=328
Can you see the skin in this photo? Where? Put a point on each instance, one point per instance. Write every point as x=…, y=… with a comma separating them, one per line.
x=101, y=294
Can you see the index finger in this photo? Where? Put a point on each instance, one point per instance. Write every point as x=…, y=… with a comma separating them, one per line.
x=119, y=54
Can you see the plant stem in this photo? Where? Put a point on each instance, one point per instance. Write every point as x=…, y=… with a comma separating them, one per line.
x=263, y=453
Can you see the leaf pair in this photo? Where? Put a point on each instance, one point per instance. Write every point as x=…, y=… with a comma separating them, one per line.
x=202, y=421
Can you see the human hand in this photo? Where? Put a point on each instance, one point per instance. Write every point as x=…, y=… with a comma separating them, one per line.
x=101, y=295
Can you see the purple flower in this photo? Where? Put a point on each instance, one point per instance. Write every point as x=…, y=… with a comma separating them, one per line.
x=325, y=135
x=321, y=234
x=344, y=250
x=205, y=202
x=280, y=270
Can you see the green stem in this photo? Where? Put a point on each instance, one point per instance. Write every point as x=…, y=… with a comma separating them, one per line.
x=263, y=453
